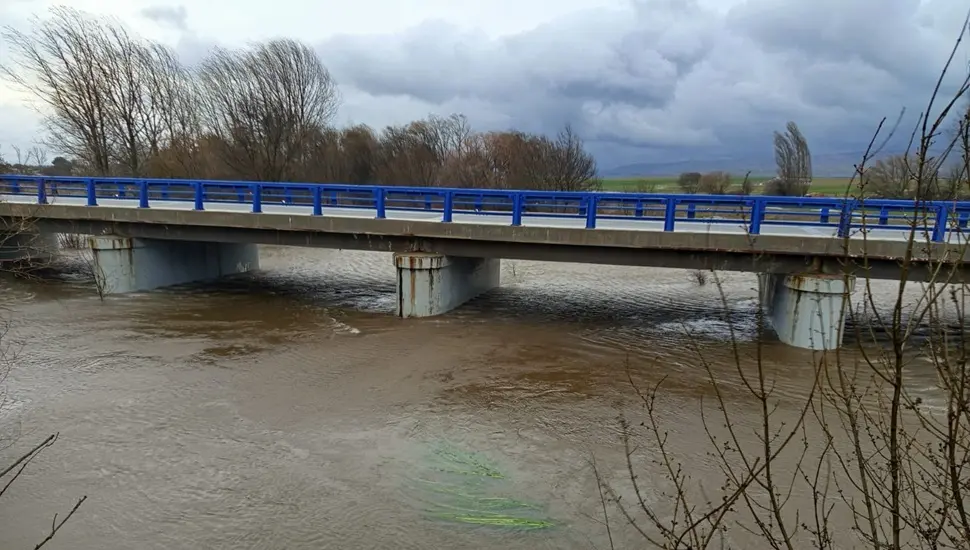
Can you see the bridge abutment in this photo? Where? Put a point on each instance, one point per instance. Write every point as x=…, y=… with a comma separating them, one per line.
x=806, y=311
x=432, y=284
x=122, y=264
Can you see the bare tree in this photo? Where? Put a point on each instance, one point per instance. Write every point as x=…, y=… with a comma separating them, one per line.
x=58, y=63
x=114, y=100
x=794, y=162
x=571, y=167
x=263, y=104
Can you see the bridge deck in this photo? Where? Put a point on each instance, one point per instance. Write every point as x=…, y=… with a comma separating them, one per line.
x=697, y=226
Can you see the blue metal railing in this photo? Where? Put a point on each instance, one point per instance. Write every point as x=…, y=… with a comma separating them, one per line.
x=753, y=212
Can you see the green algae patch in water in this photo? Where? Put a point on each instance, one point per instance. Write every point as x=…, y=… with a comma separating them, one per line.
x=463, y=487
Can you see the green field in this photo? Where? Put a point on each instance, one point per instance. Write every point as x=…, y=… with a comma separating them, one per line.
x=668, y=184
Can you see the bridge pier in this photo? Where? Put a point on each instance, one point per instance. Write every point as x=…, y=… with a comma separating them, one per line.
x=432, y=284
x=123, y=264
x=806, y=311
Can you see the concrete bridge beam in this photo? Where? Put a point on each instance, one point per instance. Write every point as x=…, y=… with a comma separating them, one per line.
x=807, y=311
x=432, y=284
x=123, y=264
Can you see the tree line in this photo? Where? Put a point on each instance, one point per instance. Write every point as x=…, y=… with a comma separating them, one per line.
x=118, y=105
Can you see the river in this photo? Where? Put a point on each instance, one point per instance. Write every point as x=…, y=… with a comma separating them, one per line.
x=289, y=409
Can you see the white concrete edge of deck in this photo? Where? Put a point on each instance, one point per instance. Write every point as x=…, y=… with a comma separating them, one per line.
x=682, y=225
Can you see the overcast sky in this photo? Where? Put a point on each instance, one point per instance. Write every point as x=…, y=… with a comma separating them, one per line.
x=641, y=80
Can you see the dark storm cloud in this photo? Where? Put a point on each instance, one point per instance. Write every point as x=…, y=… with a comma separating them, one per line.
x=654, y=80
x=669, y=78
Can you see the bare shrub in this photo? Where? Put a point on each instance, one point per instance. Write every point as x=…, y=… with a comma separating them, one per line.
x=897, y=177
x=891, y=177
x=715, y=183
x=71, y=241
x=689, y=182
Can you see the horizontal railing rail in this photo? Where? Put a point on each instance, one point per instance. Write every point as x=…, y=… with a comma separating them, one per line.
x=843, y=215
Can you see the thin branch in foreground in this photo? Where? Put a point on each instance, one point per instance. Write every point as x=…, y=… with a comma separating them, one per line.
x=30, y=454
x=606, y=517
x=55, y=526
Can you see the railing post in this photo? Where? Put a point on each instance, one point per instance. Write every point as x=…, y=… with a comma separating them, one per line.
x=517, y=208
x=591, y=212
x=257, y=190
x=845, y=218
x=638, y=210
x=670, y=214
x=42, y=191
x=757, y=216
x=939, y=230
x=691, y=211
x=883, y=216
x=448, y=206
x=317, y=200
x=143, y=194
x=379, y=203
x=121, y=190
x=14, y=187
x=91, y=192
x=199, y=196
x=824, y=215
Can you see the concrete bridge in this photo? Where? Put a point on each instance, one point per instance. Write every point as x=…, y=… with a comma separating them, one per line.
x=448, y=243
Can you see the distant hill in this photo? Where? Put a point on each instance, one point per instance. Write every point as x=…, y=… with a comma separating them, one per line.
x=830, y=165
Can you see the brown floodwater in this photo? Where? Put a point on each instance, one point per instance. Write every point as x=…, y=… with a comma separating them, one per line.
x=289, y=409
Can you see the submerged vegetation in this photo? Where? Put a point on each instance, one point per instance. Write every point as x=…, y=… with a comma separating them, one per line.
x=462, y=487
